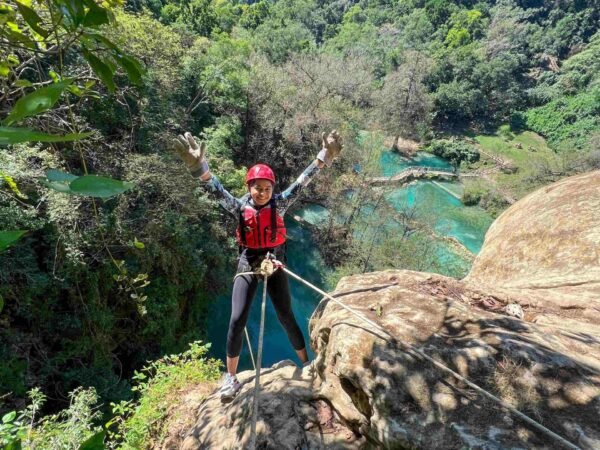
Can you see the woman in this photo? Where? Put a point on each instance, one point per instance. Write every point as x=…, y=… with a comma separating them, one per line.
x=261, y=229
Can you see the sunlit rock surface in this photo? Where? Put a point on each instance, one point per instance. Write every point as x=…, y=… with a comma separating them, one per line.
x=372, y=391
x=549, y=239
x=397, y=399
x=290, y=416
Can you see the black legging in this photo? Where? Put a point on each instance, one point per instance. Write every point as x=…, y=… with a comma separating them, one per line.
x=244, y=289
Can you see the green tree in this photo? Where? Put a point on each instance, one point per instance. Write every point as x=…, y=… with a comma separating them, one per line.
x=402, y=105
x=459, y=101
x=453, y=151
x=279, y=39
x=439, y=11
x=198, y=16
x=416, y=29
x=218, y=70
x=254, y=14
x=466, y=26
x=33, y=71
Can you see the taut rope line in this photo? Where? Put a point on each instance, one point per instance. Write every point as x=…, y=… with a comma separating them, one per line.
x=249, y=347
x=246, y=328
x=443, y=367
x=267, y=267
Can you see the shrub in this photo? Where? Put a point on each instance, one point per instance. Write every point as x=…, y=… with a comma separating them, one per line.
x=477, y=193
x=567, y=122
x=472, y=197
x=66, y=430
x=454, y=151
x=137, y=422
x=505, y=132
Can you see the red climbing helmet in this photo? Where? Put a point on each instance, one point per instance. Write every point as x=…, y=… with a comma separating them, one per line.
x=260, y=171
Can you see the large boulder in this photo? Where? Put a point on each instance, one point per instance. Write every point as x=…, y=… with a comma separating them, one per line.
x=390, y=394
x=549, y=239
x=542, y=254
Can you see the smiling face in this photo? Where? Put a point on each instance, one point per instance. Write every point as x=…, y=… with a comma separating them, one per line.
x=261, y=191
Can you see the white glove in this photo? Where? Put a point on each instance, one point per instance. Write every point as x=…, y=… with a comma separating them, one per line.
x=331, y=147
x=192, y=154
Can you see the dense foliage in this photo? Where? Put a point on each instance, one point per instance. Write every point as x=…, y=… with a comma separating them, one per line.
x=160, y=384
x=455, y=152
x=94, y=288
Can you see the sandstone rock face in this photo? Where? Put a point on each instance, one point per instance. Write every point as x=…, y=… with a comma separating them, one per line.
x=396, y=399
x=549, y=239
x=291, y=416
x=374, y=390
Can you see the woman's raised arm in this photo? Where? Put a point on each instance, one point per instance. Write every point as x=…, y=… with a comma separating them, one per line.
x=194, y=157
x=331, y=146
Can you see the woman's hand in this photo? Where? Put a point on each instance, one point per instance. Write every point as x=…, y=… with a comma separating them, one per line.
x=192, y=154
x=331, y=147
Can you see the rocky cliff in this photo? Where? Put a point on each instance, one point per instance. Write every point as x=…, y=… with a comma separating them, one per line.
x=370, y=390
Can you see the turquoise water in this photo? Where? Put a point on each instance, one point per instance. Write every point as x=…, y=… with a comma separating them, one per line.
x=312, y=213
x=392, y=162
x=435, y=205
x=445, y=213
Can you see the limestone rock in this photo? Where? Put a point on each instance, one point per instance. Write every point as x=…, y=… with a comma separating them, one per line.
x=549, y=239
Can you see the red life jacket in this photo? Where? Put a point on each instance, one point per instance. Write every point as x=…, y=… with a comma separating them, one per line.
x=262, y=228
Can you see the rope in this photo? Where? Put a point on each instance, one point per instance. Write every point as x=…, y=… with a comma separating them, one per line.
x=258, y=364
x=250, y=347
x=267, y=267
x=246, y=328
x=443, y=367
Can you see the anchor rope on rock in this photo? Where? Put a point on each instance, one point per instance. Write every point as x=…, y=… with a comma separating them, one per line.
x=439, y=365
x=270, y=265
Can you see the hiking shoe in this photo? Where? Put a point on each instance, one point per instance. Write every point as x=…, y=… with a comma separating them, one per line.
x=230, y=387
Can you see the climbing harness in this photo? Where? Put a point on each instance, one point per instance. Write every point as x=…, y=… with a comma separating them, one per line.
x=270, y=264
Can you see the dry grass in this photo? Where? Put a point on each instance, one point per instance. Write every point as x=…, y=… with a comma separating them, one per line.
x=514, y=387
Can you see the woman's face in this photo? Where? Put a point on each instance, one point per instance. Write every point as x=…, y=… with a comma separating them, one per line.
x=261, y=191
